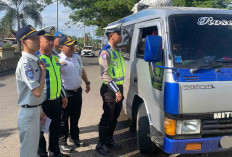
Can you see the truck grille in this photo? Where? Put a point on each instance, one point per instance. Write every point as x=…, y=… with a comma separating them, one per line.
x=216, y=127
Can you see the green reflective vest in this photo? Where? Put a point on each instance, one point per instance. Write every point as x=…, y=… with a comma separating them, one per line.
x=53, y=79
x=116, y=67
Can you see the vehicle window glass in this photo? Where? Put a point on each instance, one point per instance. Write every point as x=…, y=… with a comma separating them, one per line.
x=125, y=45
x=142, y=36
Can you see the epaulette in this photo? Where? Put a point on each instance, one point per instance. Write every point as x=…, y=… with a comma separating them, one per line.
x=55, y=53
x=37, y=53
x=106, y=47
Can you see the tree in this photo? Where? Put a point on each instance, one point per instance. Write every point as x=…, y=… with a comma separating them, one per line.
x=102, y=12
x=18, y=11
x=203, y=3
x=99, y=12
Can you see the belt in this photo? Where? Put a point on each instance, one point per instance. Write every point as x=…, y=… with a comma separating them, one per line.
x=73, y=91
x=30, y=106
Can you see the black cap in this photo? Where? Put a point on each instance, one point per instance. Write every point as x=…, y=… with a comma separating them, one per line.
x=27, y=32
x=67, y=40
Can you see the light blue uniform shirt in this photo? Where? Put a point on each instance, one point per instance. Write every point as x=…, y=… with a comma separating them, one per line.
x=27, y=78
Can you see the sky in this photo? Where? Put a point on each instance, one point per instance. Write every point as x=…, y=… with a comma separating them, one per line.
x=50, y=19
x=49, y=16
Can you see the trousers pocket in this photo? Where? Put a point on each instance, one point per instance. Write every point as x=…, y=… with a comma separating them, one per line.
x=24, y=118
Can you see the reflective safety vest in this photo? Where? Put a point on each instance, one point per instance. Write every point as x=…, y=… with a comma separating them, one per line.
x=53, y=79
x=116, y=67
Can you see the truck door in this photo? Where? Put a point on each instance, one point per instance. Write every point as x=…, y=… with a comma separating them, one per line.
x=149, y=78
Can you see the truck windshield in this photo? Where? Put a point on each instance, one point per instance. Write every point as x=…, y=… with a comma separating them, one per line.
x=201, y=40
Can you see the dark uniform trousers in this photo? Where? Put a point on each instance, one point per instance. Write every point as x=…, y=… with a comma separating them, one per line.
x=111, y=113
x=52, y=109
x=73, y=110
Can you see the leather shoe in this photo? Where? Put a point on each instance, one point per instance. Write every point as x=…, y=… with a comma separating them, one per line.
x=79, y=143
x=101, y=148
x=111, y=143
x=66, y=148
x=60, y=155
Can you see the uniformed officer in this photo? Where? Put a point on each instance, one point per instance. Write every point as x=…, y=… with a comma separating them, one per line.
x=53, y=89
x=112, y=71
x=72, y=73
x=56, y=48
x=30, y=79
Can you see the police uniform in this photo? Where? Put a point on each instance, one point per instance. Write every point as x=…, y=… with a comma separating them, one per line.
x=112, y=69
x=52, y=105
x=71, y=75
x=27, y=78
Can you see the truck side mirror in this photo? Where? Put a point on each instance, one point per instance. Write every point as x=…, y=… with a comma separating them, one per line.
x=153, y=49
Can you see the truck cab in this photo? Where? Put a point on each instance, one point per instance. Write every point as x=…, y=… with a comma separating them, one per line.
x=178, y=78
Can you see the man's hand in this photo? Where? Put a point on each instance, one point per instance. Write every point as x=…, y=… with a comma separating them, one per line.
x=42, y=66
x=64, y=102
x=42, y=117
x=87, y=88
x=118, y=96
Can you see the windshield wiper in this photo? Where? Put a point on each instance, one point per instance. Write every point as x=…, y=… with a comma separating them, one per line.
x=224, y=61
x=216, y=66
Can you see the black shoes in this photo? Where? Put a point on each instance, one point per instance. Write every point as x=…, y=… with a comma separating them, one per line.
x=59, y=155
x=101, y=148
x=78, y=143
x=111, y=143
x=66, y=148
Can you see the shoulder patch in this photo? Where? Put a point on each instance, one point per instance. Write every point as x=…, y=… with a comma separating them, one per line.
x=30, y=73
x=104, y=56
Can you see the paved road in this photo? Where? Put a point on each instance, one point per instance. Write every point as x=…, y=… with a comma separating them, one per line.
x=91, y=113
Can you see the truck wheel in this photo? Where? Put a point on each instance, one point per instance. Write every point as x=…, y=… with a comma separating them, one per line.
x=144, y=142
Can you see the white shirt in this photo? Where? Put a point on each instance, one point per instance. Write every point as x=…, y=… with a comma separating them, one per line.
x=71, y=71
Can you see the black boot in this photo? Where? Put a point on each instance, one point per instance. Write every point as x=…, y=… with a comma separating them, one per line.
x=111, y=143
x=101, y=147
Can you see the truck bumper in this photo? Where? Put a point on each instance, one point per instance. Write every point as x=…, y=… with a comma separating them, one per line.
x=212, y=144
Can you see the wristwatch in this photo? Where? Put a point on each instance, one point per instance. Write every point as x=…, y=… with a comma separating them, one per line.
x=87, y=83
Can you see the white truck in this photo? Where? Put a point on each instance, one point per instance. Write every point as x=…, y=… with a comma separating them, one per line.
x=178, y=78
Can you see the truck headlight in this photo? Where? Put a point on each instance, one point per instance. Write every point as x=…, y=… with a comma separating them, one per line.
x=188, y=126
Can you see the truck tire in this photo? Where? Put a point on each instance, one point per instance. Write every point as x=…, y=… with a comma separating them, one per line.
x=144, y=142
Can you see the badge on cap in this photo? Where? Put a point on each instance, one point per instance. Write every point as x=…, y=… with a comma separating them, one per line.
x=52, y=31
x=30, y=74
x=104, y=56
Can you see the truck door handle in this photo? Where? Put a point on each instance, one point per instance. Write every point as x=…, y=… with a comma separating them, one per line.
x=135, y=80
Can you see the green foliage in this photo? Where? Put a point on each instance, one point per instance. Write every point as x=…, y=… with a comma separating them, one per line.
x=18, y=11
x=102, y=12
x=99, y=12
x=203, y=3
x=6, y=45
